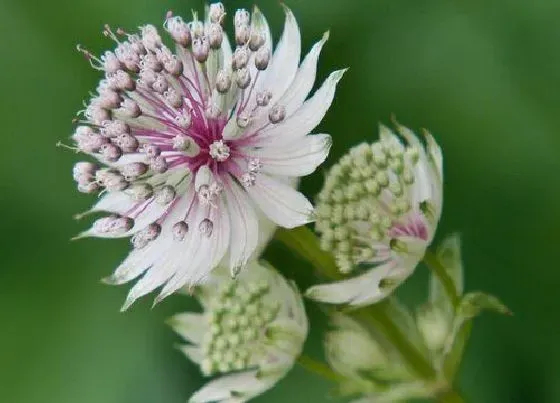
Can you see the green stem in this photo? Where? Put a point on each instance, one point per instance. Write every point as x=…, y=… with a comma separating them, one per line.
x=319, y=368
x=304, y=242
x=450, y=396
x=377, y=317
x=433, y=263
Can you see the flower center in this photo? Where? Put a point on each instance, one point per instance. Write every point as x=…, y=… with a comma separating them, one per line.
x=219, y=151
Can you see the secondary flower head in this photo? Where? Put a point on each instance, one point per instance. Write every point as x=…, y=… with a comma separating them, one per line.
x=195, y=142
x=368, y=365
x=379, y=211
x=248, y=336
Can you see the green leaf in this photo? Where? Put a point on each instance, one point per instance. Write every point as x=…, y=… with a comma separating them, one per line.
x=449, y=256
x=474, y=303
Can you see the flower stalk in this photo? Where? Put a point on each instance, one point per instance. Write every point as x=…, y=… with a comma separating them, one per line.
x=304, y=242
x=318, y=368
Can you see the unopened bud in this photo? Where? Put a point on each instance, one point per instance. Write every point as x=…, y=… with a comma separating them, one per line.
x=150, y=37
x=243, y=78
x=242, y=33
x=165, y=195
x=243, y=119
x=151, y=150
x=201, y=49
x=240, y=58
x=277, y=114
x=180, y=230
x=130, y=108
x=242, y=17
x=110, y=152
x=173, y=98
x=256, y=41
x=89, y=187
x=114, y=182
x=110, y=62
x=127, y=142
x=184, y=119
x=112, y=128
x=158, y=164
x=133, y=170
x=113, y=225
x=262, y=57
x=160, y=85
x=141, y=192
x=215, y=35
x=216, y=13
x=179, y=31
x=205, y=227
x=223, y=81
x=263, y=98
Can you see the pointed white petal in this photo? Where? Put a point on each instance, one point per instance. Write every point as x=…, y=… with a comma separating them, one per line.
x=304, y=79
x=244, y=227
x=193, y=353
x=154, y=277
x=297, y=159
x=226, y=386
x=190, y=326
x=282, y=204
x=135, y=264
x=113, y=202
x=362, y=289
x=285, y=60
x=305, y=119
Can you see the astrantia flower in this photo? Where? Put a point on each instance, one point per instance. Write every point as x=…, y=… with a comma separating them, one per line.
x=197, y=141
x=379, y=211
x=249, y=335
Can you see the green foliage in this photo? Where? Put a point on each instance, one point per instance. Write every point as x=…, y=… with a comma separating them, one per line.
x=483, y=76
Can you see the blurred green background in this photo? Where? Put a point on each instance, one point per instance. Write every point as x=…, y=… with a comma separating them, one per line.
x=483, y=76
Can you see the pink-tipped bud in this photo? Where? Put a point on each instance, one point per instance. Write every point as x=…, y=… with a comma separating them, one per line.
x=243, y=78
x=201, y=49
x=179, y=31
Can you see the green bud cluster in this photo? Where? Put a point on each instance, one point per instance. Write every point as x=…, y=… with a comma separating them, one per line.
x=363, y=195
x=239, y=315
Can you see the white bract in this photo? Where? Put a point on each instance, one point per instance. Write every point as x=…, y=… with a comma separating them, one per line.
x=250, y=333
x=378, y=212
x=198, y=143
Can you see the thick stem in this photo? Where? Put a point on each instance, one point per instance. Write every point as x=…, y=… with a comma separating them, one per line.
x=433, y=263
x=450, y=396
x=318, y=368
x=304, y=242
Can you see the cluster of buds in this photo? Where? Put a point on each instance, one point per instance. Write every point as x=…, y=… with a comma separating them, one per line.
x=379, y=207
x=249, y=335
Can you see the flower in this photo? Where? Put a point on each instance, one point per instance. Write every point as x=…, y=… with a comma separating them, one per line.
x=249, y=334
x=379, y=211
x=368, y=365
x=197, y=143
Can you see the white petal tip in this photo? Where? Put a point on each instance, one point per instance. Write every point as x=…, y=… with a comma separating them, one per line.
x=338, y=74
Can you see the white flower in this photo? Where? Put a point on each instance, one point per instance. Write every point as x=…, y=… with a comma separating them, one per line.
x=249, y=335
x=199, y=142
x=379, y=211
